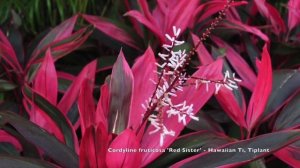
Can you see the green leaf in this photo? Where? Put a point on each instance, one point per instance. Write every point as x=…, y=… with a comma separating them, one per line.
x=205, y=123
x=6, y=85
x=285, y=84
x=54, y=114
x=197, y=141
x=57, y=151
x=16, y=162
x=289, y=116
x=264, y=145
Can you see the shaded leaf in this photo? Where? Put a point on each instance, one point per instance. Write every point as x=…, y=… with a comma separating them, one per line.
x=289, y=117
x=261, y=91
x=16, y=162
x=269, y=143
x=60, y=120
x=285, y=84
x=59, y=152
x=121, y=86
x=111, y=30
x=6, y=85
x=187, y=146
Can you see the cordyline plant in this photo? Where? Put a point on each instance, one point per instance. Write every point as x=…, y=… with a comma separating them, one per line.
x=148, y=115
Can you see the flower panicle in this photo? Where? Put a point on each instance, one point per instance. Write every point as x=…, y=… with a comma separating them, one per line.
x=172, y=79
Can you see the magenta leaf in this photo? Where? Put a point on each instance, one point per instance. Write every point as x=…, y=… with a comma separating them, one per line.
x=86, y=105
x=271, y=13
x=150, y=25
x=53, y=115
x=143, y=72
x=45, y=82
x=289, y=155
x=263, y=145
x=71, y=94
x=125, y=140
x=239, y=64
x=261, y=91
x=6, y=137
x=120, y=93
x=233, y=24
x=189, y=145
x=211, y=71
x=233, y=103
x=294, y=14
x=60, y=32
x=102, y=109
x=93, y=147
x=8, y=54
x=111, y=30
x=212, y=7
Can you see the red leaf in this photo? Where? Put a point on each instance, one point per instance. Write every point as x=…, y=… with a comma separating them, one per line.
x=228, y=100
x=261, y=91
x=143, y=71
x=239, y=64
x=6, y=137
x=150, y=25
x=202, y=53
x=8, y=54
x=71, y=94
x=189, y=94
x=103, y=106
x=271, y=13
x=86, y=105
x=126, y=140
x=272, y=142
x=45, y=82
x=93, y=147
x=111, y=30
x=289, y=155
x=121, y=87
x=294, y=13
x=60, y=32
x=211, y=7
x=232, y=24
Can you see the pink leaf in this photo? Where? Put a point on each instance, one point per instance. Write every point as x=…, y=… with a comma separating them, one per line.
x=271, y=13
x=261, y=91
x=6, y=137
x=86, y=105
x=60, y=32
x=228, y=100
x=294, y=13
x=93, y=147
x=111, y=30
x=150, y=25
x=232, y=24
x=202, y=53
x=71, y=94
x=189, y=94
x=239, y=64
x=103, y=106
x=121, y=87
x=45, y=82
x=289, y=155
x=126, y=140
x=8, y=54
x=143, y=71
x=213, y=6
